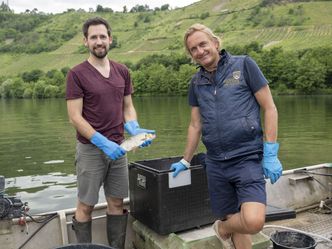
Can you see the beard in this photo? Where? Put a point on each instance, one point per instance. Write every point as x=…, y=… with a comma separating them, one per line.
x=100, y=54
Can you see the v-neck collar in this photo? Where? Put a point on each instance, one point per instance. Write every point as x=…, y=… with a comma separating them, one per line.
x=99, y=73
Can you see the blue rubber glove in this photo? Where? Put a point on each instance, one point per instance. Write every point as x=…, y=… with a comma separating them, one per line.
x=132, y=127
x=177, y=167
x=111, y=149
x=146, y=143
x=271, y=165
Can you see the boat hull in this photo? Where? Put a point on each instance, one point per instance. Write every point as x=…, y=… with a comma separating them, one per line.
x=296, y=190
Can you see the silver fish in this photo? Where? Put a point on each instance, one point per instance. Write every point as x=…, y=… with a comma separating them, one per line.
x=136, y=141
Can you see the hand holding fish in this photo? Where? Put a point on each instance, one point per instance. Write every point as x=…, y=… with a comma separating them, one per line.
x=111, y=149
x=139, y=140
x=133, y=128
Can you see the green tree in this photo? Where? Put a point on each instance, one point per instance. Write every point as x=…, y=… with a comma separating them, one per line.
x=139, y=77
x=173, y=60
x=33, y=75
x=324, y=56
x=99, y=8
x=39, y=89
x=140, y=8
x=164, y=7
x=65, y=70
x=147, y=19
x=4, y=7
x=55, y=77
x=109, y=10
x=50, y=91
x=310, y=75
x=18, y=88
x=155, y=78
x=279, y=67
x=183, y=78
x=28, y=92
x=115, y=43
x=204, y=15
x=6, y=89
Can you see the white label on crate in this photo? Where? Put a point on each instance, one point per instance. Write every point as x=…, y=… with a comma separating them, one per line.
x=141, y=181
x=182, y=179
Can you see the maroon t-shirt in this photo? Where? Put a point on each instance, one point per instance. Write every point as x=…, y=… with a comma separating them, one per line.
x=102, y=97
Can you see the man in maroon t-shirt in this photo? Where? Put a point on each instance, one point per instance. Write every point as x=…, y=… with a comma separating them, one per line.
x=100, y=107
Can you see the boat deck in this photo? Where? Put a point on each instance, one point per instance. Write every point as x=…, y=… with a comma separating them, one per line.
x=298, y=190
x=312, y=221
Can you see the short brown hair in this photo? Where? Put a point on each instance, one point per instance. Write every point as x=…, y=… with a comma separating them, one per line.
x=95, y=21
x=200, y=27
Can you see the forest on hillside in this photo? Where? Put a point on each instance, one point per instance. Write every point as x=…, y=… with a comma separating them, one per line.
x=301, y=72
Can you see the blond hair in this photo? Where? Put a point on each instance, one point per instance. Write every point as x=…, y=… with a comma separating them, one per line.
x=200, y=27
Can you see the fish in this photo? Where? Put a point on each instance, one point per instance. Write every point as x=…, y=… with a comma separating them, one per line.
x=134, y=142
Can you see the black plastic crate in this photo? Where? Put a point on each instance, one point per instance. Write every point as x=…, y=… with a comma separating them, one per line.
x=163, y=209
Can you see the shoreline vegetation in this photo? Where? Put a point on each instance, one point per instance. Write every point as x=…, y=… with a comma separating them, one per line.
x=289, y=40
x=302, y=72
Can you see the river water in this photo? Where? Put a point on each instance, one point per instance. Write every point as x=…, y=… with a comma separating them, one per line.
x=37, y=143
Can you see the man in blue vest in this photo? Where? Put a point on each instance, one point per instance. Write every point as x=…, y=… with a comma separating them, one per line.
x=226, y=96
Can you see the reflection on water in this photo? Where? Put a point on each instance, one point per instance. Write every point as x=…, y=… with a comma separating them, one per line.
x=37, y=131
x=305, y=131
x=44, y=192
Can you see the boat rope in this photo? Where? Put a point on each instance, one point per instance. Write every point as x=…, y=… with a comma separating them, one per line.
x=299, y=231
x=312, y=173
x=314, y=178
x=324, y=204
x=46, y=218
x=45, y=221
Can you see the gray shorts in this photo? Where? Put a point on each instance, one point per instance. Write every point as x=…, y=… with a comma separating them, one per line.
x=94, y=168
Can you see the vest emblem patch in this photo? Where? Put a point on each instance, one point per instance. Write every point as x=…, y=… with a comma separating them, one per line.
x=234, y=79
x=236, y=75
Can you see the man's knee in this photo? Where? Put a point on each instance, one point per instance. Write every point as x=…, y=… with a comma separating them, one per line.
x=83, y=212
x=254, y=223
x=253, y=217
x=115, y=205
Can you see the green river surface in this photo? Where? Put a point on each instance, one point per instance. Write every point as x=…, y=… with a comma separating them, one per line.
x=37, y=131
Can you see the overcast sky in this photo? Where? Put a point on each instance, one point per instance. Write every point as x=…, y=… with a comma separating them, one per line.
x=58, y=6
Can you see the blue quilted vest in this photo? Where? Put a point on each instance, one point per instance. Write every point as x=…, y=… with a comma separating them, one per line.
x=230, y=114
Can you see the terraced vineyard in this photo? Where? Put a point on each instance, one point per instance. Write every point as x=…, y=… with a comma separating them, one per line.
x=289, y=38
x=292, y=26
